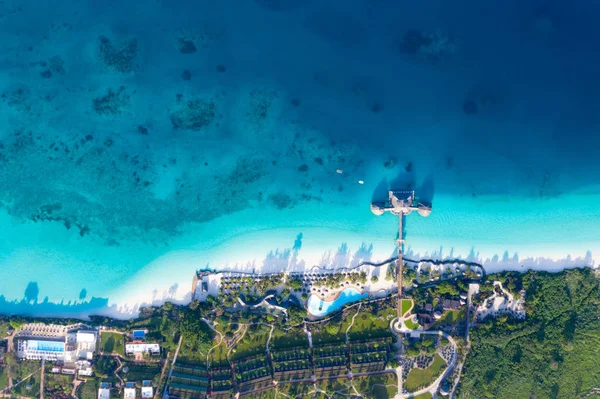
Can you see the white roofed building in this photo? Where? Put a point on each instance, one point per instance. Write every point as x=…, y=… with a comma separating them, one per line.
x=147, y=392
x=129, y=393
x=104, y=393
x=132, y=348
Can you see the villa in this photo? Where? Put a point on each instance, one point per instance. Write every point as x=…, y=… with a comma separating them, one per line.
x=104, y=390
x=139, y=347
x=129, y=391
x=147, y=390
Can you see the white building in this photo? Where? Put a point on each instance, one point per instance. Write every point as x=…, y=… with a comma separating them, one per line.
x=147, y=392
x=129, y=393
x=87, y=372
x=51, y=342
x=104, y=393
x=141, y=347
x=86, y=344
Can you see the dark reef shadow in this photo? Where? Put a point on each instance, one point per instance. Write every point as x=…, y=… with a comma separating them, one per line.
x=426, y=190
x=404, y=180
x=380, y=192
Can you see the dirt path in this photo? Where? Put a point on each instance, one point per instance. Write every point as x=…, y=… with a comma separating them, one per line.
x=116, y=372
x=76, y=384
x=270, y=335
x=352, y=323
x=42, y=380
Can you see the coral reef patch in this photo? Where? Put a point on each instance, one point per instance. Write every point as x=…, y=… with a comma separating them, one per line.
x=118, y=58
x=194, y=114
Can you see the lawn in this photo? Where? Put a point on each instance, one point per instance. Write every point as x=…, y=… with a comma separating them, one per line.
x=253, y=343
x=293, y=338
x=451, y=317
x=368, y=325
x=406, y=305
x=140, y=372
x=3, y=378
x=377, y=386
x=88, y=390
x=420, y=378
x=112, y=343
x=425, y=395
x=411, y=324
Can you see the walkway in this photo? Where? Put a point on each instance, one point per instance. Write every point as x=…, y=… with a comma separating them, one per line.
x=42, y=380
x=172, y=365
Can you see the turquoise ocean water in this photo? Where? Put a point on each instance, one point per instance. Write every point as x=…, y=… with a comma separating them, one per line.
x=142, y=141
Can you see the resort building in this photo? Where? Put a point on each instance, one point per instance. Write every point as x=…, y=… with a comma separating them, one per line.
x=104, y=390
x=38, y=341
x=205, y=283
x=51, y=349
x=147, y=390
x=134, y=347
x=129, y=391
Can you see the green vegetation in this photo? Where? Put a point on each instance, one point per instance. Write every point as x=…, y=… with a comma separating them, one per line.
x=553, y=353
x=377, y=386
x=197, y=335
x=373, y=321
x=140, y=372
x=57, y=386
x=411, y=324
x=406, y=305
x=88, y=390
x=451, y=317
x=111, y=342
x=253, y=343
x=425, y=395
x=420, y=378
x=31, y=371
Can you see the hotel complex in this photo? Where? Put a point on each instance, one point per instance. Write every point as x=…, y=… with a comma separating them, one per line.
x=71, y=345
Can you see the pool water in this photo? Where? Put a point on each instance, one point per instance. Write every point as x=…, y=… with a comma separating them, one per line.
x=319, y=307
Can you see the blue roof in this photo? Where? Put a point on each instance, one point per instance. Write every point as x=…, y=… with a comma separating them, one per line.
x=140, y=334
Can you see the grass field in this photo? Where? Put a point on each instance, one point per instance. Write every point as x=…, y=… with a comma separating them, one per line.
x=368, y=325
x=88, y=390
x=451, y=317
x=410, y=324
x=419, y=378
x=377, y=386
x=295, y=337
x=406, y=305
x=425, y=395
x=112, y=343
x=253, y=343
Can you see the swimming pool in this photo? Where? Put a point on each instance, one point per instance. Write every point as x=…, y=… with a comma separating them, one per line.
x=319, y=307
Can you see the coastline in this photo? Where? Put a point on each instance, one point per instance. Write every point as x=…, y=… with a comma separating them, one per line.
x=127, y=276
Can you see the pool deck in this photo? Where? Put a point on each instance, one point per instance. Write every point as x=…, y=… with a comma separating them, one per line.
x=334, y=293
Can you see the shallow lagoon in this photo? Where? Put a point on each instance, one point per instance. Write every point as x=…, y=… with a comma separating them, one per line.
x=103, y=208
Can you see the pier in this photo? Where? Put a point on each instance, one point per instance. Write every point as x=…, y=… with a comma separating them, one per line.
x=400, y=203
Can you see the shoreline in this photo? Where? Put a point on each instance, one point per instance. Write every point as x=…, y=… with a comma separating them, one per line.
x=103, y=307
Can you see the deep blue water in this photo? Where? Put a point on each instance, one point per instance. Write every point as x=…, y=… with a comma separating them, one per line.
x=495, y=102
